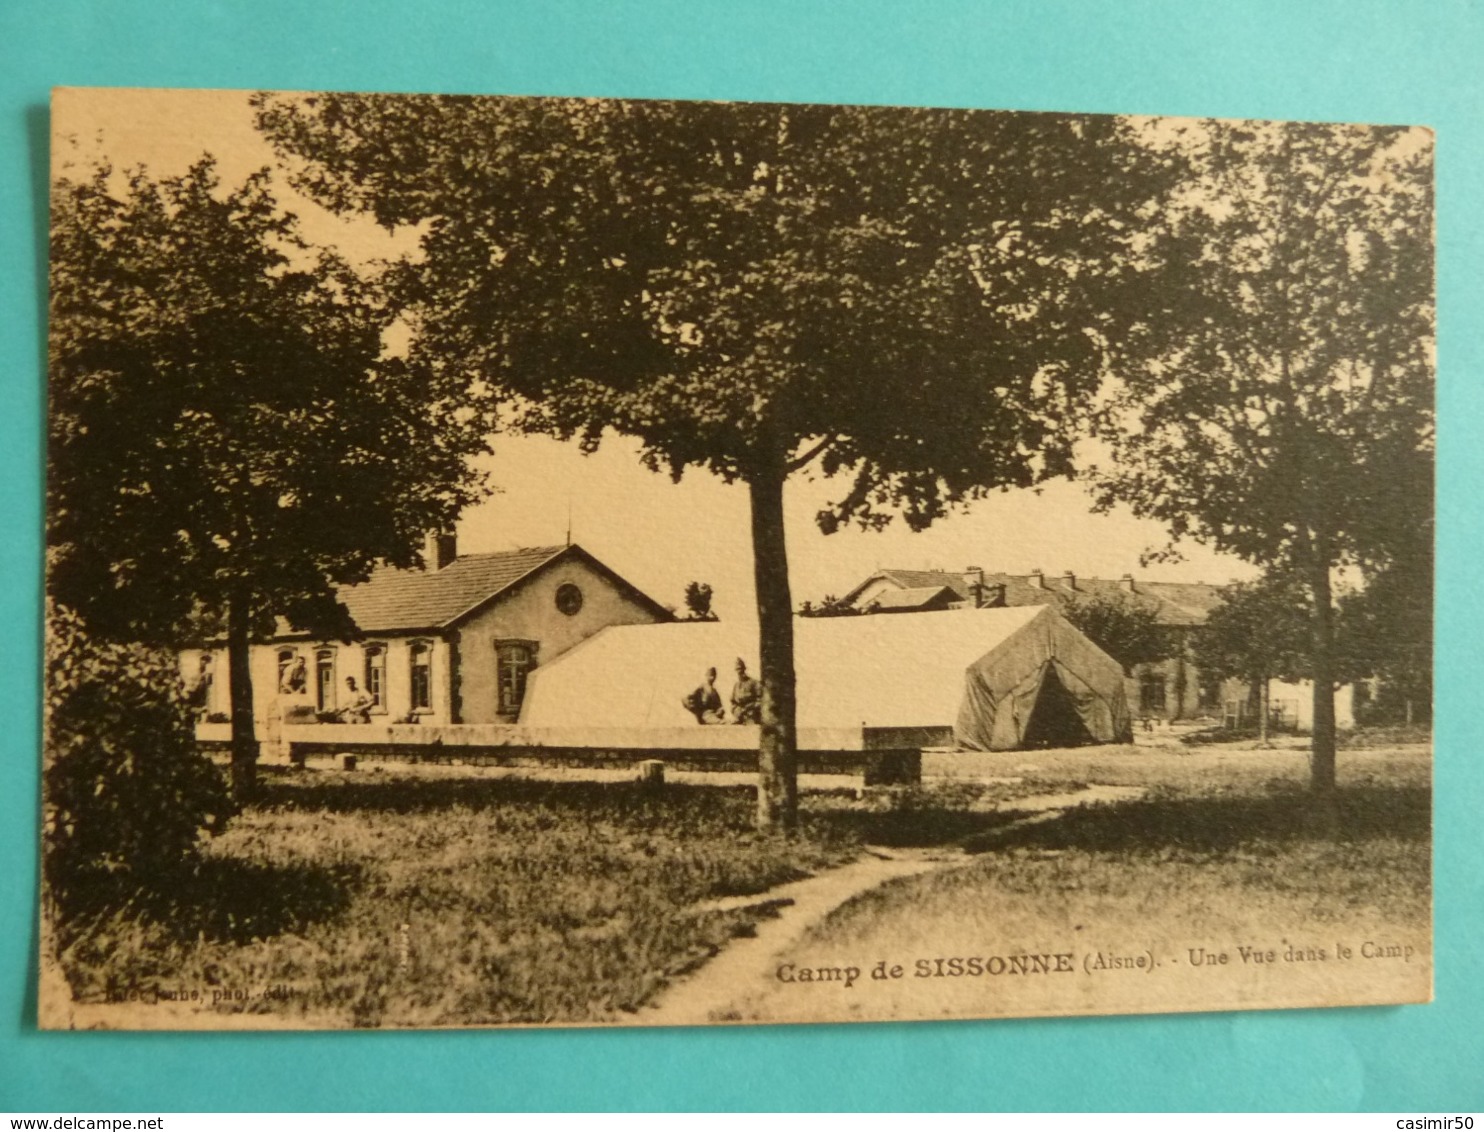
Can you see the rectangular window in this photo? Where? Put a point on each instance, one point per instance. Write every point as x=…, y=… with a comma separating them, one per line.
x=1151, y=693
x=422, y=676
x=324, y=679
x=376, y=676
x=291, y=674
x=514, y=661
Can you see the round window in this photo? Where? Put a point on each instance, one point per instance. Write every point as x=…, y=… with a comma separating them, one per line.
x=568, y=598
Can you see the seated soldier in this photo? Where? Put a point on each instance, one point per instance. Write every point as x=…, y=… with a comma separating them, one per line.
x=295, y=680
x=357, y=708
x=747, y=697
x=705, y=701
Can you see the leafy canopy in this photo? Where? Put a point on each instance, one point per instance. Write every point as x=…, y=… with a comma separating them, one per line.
x=698, y=602
x=1259, y=631
x=920, y=297
x=223, y=414
x=1387, y=630
x=1124, y=627
x=126, y=792
x=1275, y=401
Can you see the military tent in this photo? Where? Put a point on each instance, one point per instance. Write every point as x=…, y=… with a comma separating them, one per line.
x=999, y=679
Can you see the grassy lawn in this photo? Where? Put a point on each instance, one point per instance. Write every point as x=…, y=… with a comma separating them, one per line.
x=1224, y=850
x=404, y=899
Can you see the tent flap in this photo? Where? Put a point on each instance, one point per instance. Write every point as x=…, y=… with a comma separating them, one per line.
x=1045, y=686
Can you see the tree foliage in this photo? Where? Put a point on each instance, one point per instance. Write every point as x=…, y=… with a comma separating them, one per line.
x=1125, y=628
x=228, y=437
x=1276, y=397
x=698, y=602
x=830, y=606
x=1259, y=631
x=728, y=282
x=915, y=300
x=1387, y=631
x=126, y=793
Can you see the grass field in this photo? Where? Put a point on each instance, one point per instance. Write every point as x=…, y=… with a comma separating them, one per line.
x=397, y=898
x=406, y=899
x=1225, y=851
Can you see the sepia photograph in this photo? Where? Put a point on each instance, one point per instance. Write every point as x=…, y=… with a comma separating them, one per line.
x=541, y=561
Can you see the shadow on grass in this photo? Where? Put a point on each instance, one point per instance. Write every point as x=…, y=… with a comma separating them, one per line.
x=921, y=828
x=423, y=795
x=222, y=899
x=913, y=819
x=1221, y=823
x=1212, y=823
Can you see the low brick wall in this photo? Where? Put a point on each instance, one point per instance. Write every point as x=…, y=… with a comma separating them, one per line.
x=875, y=767
x=878, y=755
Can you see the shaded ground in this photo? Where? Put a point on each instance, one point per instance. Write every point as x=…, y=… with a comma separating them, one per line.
x=707, y=994
x=379, y=898
x=1222, y=854
x=711, y=993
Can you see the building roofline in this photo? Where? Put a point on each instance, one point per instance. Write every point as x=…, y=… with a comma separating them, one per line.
x=302, y=636
x=450, y=622
x=1175, y=602
x=854, y=593
x=572, y=549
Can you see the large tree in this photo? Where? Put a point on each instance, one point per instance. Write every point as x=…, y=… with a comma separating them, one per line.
x=1388, y=634
x=913, y=299
x=228, y=437
x=1276, y=399
x=1259, y=632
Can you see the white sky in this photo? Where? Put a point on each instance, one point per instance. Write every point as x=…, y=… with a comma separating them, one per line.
x=656, y=533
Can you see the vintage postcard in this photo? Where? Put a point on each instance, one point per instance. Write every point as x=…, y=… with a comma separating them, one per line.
x=560, y=561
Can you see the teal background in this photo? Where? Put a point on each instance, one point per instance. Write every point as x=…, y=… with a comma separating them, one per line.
x=1357, y=61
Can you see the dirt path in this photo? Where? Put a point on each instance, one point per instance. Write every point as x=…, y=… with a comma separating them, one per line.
x=747, y=967
x=747, y=964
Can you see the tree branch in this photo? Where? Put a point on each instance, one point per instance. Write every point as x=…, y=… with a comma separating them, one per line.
x=808, y=457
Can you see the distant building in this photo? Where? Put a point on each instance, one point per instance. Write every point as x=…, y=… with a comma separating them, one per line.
x=1290, y=704
x=1170, y=689
x=451, y=643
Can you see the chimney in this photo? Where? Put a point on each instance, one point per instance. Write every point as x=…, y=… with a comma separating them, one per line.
x=974, y=580
x=1126, y=583
x=1038, y=579
x=439, y=550
x=1070, y=580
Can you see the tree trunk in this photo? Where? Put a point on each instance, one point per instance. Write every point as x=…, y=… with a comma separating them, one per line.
x=1179, y=712
x=1322, y=747
x=239, y=677
x=777, y=756
x=1264, y=710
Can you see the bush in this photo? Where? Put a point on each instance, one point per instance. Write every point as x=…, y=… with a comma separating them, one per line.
x=126, y=792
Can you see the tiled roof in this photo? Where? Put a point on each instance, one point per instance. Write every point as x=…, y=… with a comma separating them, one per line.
x=395, y=600
x=915, y=598
x=1175, y=603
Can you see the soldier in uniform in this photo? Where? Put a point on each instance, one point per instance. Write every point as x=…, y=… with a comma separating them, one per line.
x=705, y=702
x=747, y=697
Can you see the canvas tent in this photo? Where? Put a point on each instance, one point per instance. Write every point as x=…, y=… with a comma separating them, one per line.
x=998, y=678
